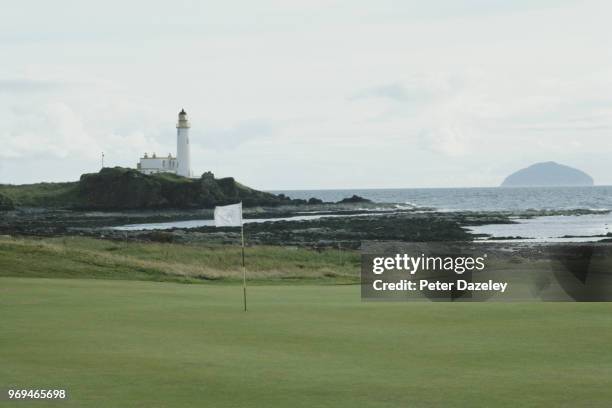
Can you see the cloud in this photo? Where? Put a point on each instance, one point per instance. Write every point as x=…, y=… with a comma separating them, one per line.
x=231, y=137
x=449, y=141
x=418, y=88
x=30, y=86
x=54, y=129
x=394, y=91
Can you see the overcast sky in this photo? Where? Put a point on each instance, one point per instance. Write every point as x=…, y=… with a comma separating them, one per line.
x=308, y=94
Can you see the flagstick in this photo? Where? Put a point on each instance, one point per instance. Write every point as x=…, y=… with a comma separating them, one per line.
x=243, y=268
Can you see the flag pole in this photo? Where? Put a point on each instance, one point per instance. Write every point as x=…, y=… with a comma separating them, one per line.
x=243, y=267
x=231, y=216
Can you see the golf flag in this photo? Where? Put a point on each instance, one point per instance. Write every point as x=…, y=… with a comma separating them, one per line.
x=228, y=215
x=231, y=216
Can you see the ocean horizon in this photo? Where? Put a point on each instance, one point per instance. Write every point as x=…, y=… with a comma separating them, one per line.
x=475, y=198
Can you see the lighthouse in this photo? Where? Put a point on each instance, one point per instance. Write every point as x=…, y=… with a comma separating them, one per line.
x=181, y=164
x=183, y=154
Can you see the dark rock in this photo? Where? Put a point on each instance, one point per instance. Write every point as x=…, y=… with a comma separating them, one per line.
x=161, y=236
x=354, y=199
x=117, y=187
x=209, y=175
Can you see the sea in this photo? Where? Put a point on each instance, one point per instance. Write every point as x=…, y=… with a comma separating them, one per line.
x=477, y=199
x=557, y=228
x=572, y=228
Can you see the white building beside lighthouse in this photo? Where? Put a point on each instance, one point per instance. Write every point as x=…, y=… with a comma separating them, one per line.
x=181, y=164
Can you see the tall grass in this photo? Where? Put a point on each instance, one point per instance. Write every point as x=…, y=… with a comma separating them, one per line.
x=95, y=258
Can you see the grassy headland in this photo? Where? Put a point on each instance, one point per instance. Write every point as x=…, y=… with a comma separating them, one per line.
x=41, y=194
x=122, y=188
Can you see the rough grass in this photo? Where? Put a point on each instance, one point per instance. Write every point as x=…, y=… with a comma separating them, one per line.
x=145, y=344
x=78, y=257
x=41, y=194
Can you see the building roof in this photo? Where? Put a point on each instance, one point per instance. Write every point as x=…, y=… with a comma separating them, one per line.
x=158, y=158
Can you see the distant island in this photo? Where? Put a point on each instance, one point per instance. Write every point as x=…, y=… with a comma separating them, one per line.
x=548, y=174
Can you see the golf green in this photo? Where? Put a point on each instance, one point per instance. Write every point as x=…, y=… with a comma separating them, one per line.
x=146, y=344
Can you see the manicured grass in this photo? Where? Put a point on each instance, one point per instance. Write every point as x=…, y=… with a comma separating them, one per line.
x=148, y=344
x=78, y=257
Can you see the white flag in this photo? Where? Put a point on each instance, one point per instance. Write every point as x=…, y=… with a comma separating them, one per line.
x=228, y=215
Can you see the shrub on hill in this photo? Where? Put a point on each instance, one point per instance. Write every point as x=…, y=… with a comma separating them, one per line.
x=6, y=203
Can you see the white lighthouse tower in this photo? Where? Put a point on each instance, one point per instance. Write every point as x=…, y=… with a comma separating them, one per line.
x=183, y=154
x=181, y=164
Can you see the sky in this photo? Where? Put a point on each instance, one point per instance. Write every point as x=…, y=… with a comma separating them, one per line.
x=308, y=94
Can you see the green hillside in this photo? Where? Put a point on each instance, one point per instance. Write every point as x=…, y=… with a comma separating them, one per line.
x=41, y=194
x=122, y=188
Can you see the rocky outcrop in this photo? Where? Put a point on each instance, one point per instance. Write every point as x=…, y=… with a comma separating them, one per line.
x=354, y=199
x=121, y=188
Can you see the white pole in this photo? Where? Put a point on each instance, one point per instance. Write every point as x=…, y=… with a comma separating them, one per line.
x=243, y=267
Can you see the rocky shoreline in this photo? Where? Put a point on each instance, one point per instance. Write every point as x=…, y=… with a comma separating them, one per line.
x=343, y=225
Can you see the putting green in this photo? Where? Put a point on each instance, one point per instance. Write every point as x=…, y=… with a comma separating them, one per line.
x=145, y=344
